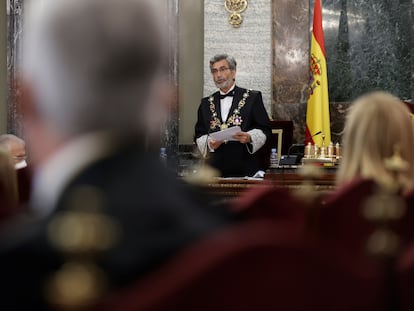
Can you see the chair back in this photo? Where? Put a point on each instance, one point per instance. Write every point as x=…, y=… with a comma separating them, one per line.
x=256, y=266
x=267, y=202
x=24, y=183
x=405, y=228
x=341, y=215
x=405, y=278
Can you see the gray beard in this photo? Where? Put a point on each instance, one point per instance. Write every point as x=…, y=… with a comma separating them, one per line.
x=224, y=85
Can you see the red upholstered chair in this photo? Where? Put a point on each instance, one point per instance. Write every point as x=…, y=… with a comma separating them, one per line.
x=8, y=208
x=410, y=105
x=406, y=225
x=8, y=186
x=404, y=265
x=255, y=266
x=340, y=217
x=276, y=204
x=268, y=202
x=24, y=183
x=405, y=278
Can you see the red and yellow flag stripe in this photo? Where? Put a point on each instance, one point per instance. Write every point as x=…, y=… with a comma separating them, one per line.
x=317, y=113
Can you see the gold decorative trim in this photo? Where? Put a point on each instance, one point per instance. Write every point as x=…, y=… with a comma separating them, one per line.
x=233, y=120
x=235, y=7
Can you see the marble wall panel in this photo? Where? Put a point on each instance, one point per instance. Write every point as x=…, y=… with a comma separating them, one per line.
x=290, y=61
x=14, y=41
x=169, y=131
x=369, y=46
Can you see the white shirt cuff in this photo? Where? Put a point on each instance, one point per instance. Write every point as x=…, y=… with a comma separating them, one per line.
x=202, y=144
x=258, y=139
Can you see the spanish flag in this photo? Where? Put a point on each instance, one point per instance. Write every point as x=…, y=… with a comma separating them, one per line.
x=318, y=126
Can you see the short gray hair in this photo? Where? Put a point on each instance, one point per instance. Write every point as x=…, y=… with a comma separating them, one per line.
x=92, y=63
x=5, y=139
x=218, y=57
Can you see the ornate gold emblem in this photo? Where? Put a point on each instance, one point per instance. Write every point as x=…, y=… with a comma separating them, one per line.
x=233, y=120
x=235, y=7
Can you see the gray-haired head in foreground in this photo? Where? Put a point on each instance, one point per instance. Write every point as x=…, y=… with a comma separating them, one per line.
x=10, y=138
x=92, y=63
x=218, y=57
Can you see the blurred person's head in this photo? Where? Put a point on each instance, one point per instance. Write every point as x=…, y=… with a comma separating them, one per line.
x=376, y=124
x=16, y=148
x=89, y=65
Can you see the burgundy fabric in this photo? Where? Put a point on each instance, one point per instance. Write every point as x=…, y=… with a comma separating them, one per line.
x=405, y=263
x=7, y=209
x=276, y=204
x=341, y=215
x=255, y=266
x=405, y=277
x=409, y=105
x=406, y=227
x=24, y=184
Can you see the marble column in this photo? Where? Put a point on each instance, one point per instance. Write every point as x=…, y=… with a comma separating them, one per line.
x=14, y=39
x=169, y=131
x=290, y=62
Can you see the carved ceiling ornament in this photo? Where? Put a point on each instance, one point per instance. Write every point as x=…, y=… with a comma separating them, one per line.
x=235, y=7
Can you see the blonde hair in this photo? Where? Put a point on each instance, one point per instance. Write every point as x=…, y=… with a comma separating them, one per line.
x=8, y=179
x=376, y=123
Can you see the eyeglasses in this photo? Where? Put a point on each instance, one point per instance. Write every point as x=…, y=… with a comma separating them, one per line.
x=221, y=70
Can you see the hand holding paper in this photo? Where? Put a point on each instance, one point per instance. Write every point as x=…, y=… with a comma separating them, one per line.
x=226, y=134
x=242, y=137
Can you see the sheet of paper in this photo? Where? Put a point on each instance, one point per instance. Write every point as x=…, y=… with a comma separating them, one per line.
x=226, y=134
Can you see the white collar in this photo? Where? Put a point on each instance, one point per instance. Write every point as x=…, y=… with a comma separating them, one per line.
x=20, y=164
x=51, y=178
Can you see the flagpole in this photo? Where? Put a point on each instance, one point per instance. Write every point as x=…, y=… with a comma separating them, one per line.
x=317, y=110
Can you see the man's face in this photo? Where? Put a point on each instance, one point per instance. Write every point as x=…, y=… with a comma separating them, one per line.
x=223, y=76
x=18, y=153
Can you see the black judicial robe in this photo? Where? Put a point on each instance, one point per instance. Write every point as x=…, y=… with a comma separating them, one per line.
x=233, y=158
x=157, y=215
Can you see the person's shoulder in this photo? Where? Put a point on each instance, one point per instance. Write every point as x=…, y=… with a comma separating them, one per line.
x=244, y=90
x=205, y=101
x=207, y=98
x=255, y=93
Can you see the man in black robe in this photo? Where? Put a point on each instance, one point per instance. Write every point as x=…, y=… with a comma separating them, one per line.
x=232, y=106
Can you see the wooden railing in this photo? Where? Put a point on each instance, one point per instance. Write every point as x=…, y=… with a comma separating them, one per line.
x=290, y=178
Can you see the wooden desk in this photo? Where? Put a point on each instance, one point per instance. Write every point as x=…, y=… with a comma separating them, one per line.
x=233, y=187
x=290, y=178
